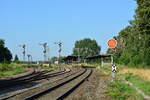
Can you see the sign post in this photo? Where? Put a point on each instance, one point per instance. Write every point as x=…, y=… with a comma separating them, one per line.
x=113, y=44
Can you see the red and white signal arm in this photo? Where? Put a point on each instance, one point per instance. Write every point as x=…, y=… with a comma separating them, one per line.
x=112, y=43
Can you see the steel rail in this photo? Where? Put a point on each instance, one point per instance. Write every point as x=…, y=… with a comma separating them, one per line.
x=7, y=97
x=35, y=96
x=67, y=93
x=35, y=77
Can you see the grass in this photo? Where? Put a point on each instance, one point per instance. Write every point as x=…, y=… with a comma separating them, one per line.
x=138, y=76
x=51, y=68
x=108, y=69
x=14, y=71
x=142, y=84
x=121, y=91
x=11, y=69
x=143, y=73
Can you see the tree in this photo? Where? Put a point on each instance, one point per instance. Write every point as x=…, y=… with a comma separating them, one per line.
x=5, y=54
x=53, y=59
x=135, y=39
x=143, y=29
x=16, y=59
x=1, y=43
x=86, y=47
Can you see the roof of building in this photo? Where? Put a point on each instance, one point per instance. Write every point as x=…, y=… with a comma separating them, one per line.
x=99, y=56
x=70, y=57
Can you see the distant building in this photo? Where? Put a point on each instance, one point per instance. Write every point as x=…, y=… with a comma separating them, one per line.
x=70, y=59
x=104, y=59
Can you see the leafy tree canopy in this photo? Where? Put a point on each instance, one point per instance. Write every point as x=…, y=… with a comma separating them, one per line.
x=86, y=47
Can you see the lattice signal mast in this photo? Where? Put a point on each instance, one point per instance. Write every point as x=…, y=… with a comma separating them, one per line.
x=45, y=50
x=60, y=48
x=24, y=51
x=29, y=58
x=48, y=52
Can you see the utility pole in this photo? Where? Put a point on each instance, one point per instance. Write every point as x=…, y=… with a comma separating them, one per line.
x=44, y=51
x=24, y=51
x=60, y=49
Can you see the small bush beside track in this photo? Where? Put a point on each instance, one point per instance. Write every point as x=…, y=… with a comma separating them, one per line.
x=12, y=69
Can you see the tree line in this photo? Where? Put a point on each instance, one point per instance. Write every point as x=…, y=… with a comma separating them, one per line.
x=5, y=54
x=134, y=40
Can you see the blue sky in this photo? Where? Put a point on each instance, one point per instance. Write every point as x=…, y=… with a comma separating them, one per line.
x=36, y=21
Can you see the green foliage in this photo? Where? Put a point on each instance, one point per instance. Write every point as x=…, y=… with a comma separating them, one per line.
x=16, y=59
x=134, y=41
x=94, y=61
x=138, y=82
x=51, y=68
x=86, y=47
x=2, y=43
x=13, y=71
x=106, y=68
x=5, y=54
x=5, y=67
x=53, y=59
x=121, y=91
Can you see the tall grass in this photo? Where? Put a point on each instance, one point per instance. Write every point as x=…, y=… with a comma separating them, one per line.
x=121, y=91
x=11, y=69
x=5, y=67
x=143, y=73
x=15, y=71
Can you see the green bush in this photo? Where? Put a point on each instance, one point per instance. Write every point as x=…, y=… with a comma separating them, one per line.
x=128, y=76
x=5, y=67
x=124, y=59
x=14, y=71
x=121, y=91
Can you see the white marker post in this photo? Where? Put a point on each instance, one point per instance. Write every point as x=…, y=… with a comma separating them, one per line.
x=114, y=70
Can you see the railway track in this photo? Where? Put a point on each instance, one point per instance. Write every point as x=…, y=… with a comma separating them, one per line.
x=61, y=90
x=11, y=79
x=58, y=78
x=63, y=96
x=5, y=82
x=57, y=89
x=35, y=78
x=30, y=78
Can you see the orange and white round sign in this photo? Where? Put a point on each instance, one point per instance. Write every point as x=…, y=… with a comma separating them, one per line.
x=112, y=43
